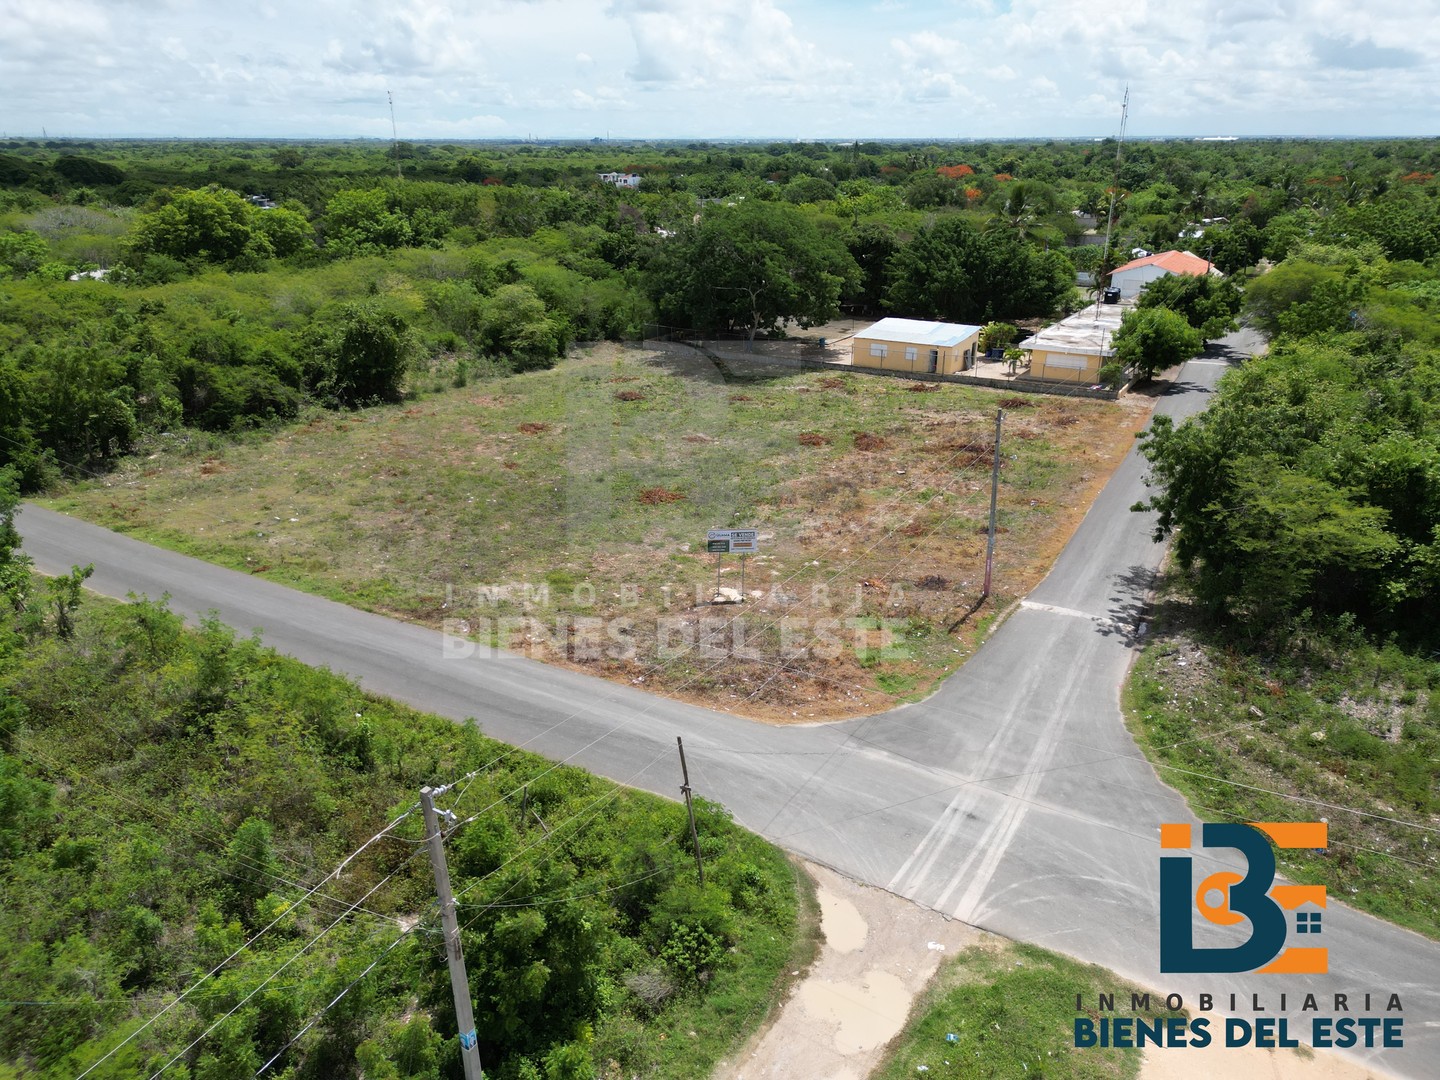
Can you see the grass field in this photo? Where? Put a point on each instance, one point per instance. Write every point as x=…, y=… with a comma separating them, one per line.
x=1326, y=726
x=564, y=513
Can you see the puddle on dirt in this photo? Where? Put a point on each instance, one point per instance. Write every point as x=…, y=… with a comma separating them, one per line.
x=844, y=927
x=868, y=1013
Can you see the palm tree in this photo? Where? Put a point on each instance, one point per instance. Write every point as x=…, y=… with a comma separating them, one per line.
x=1024, y=206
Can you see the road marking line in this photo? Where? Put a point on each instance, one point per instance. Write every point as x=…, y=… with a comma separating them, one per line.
x=1103, y=620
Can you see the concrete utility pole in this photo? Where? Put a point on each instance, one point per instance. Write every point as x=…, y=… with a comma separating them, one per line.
x=994, y=492
x=459, y=984
x=690, y=809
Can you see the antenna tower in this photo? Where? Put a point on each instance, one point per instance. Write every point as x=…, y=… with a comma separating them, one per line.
x=1115, y=183
x=395, y=137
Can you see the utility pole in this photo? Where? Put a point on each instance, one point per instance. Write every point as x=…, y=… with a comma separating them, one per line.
x=690, y=809
x=459, y=984
x=994, y=492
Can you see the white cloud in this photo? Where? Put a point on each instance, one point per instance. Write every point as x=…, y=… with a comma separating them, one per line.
x=718, y=44
x=720, y=67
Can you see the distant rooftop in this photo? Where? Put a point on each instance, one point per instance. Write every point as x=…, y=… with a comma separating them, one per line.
x=1176, y=262
x=919, y=332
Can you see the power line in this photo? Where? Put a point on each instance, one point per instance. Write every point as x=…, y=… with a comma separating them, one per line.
x=405, y=935
x=260, y=933
x=267, y=980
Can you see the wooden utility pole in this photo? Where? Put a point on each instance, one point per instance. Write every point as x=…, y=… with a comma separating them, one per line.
x=994, y=492
x=459, y=984
x=690, y=809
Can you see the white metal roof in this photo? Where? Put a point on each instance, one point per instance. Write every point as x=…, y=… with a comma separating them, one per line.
x=919, y=332
x=1090, y=330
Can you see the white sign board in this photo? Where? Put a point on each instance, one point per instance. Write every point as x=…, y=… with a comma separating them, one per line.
x=744, y=541
x=737, y=541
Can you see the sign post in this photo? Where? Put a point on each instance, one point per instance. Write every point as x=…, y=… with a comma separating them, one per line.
x=740, y=542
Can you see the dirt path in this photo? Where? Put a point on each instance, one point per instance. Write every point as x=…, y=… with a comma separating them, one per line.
x=881, y=951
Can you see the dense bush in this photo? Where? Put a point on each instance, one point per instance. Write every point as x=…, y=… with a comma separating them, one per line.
x=168, y=798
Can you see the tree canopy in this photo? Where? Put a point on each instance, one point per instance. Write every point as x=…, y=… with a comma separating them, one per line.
x=1208, y=303
x=746, y=267
x=954, y=272
x=1151, y=339
x=1313, y=480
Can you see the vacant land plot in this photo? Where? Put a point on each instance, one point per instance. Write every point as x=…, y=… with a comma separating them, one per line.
x=1324, y=725
x=564, y=514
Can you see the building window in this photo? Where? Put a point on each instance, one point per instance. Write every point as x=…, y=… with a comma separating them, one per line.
x=877, y=349
x=910, y=352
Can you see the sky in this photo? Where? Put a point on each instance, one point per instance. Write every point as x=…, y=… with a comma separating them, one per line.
x=713, y=69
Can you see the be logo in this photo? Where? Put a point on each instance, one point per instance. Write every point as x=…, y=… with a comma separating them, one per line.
x=1227, y=898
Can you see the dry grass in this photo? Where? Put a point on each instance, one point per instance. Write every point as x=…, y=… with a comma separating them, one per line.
x=430, y=510
x=655, y=496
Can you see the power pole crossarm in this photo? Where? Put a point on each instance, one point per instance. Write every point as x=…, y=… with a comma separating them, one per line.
x=459, y=984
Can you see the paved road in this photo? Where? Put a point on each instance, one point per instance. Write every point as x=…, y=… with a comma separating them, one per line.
x=1013, y=798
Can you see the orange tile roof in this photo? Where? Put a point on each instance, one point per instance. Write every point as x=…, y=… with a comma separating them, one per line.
x=1175, y=262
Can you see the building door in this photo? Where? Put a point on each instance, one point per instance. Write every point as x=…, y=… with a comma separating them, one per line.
x=934, y=361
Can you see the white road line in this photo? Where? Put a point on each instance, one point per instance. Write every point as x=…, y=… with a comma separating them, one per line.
x=1103, y=620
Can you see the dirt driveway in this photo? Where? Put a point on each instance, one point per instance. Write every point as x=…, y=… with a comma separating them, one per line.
x=880, y=952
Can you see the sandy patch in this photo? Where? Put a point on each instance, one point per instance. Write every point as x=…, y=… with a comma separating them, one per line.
x=879, y=953
x=1250, y=1063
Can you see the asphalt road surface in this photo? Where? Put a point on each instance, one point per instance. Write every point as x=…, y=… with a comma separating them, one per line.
x=1013, y=799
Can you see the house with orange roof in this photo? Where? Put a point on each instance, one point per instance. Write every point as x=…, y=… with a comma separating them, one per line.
x=1136, y=274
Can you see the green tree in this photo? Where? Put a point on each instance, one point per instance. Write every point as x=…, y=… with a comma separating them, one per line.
x=1237, y=246
x=1027, y=208
x=1313, y=480
x=14, y=564
x=22, y=253
x=362, y=222
x=211, y=225
x=286, y=231
x=88, y=171
x=871, y=245
x=1208, y=303
x=1153, y=339
x=1302, y=297
x=748, y=266
x=370, y=353
x=954, y=272
x=515, y=324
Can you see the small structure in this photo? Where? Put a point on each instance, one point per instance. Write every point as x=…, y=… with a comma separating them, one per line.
x=620, y=180
x=1078, y=346
x=1136, y=274
x=921, y=348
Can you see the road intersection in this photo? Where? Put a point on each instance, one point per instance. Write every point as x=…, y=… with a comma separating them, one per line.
x=1013, y=798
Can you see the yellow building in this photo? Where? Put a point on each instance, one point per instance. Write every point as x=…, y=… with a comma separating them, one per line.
x=1077, y=347
x=921, y=348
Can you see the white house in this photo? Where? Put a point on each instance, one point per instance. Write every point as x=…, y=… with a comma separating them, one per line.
x=1136, y=274
x=624, y=180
